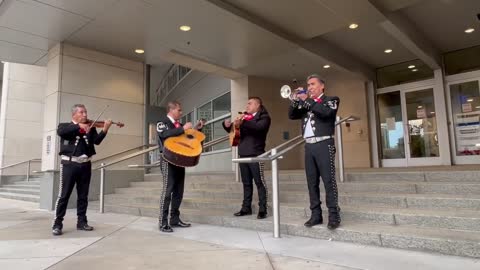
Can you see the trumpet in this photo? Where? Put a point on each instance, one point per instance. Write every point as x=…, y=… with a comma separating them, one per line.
x=286, y=92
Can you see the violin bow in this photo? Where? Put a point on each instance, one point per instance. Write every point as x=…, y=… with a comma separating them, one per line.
x=98, y=117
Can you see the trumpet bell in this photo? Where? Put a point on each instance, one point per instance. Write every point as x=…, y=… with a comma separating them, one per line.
x=285, y=91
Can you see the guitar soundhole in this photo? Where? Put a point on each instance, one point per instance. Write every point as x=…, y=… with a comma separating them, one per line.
x=184, y=144
x=190, y=136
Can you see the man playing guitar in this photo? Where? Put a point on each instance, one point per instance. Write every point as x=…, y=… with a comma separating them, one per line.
x=254, y=125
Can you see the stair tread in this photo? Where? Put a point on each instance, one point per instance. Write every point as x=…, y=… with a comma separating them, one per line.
x=360, y=208
x=19, y=195
x=404, y=230
x=369, y=194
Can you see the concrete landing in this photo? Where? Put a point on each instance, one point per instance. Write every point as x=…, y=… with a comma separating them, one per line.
x=130, y=242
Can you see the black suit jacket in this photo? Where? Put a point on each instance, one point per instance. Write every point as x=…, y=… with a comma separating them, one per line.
x=322, y=115
x=166, y=129
x=69, y=135
x=253, y=134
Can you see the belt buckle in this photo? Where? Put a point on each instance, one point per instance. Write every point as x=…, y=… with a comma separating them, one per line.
x=82, y=159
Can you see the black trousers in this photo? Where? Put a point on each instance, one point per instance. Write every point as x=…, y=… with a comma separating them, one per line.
x=320, y=162
x=249, y=172
x=72, y=173
x=172, y=192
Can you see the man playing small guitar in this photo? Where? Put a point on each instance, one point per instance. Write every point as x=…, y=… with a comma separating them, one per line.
x=254, y=125
x=173, y=176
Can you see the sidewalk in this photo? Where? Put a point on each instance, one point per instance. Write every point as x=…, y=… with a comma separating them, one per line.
x=130, y=242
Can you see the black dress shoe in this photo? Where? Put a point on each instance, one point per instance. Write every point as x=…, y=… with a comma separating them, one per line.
x=84, y=227
x=313, y=221
x=180, y=224
x=166, y=228
x=57, y=231
x=243, y=213
x=262, y=215
x=333, y=221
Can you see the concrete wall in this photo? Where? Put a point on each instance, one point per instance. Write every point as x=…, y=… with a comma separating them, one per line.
x=21, y=117
x=77, y=75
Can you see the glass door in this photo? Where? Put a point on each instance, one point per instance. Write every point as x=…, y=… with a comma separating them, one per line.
x=408, y=128
x=465, y=116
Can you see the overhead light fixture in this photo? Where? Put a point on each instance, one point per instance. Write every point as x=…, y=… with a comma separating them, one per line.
x=420, y=107
x=432, y=112
x=326, y=66
x=478, y=107
x=470, y=100
x=139, y=51
x=388, y=51
x=414, y=70
x=411, y=66
x=353, y=26
x=469, y=30
x=185, y=28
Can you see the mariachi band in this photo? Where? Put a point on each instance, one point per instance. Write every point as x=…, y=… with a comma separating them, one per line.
x=180, y=146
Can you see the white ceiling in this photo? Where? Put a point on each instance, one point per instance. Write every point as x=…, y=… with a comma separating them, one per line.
x=263, y=38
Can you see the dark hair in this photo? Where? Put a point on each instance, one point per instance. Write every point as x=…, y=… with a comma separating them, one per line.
x=259, y=100
x=316, y=76
x=172, y=105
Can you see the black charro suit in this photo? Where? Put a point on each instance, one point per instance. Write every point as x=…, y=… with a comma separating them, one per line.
x=318, y=119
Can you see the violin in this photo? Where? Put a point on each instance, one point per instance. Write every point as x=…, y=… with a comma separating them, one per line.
x=100, y=124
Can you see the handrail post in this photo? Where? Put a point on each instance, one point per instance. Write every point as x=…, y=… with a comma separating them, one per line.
x=28, y=170
x=237, y=166
x=341, y=166
x=102, y=188
x=276, y=204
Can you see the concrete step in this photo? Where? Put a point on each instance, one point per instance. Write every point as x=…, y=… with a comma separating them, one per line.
x=461, y=188
x=20, y=190
x=416, y=176
x=453, y=219
x=415, y=201
x=443, y=241
x=21, y=197
x=14, y=186
x=28, y=183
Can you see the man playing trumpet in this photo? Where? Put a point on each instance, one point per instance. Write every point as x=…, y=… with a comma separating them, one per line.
x=318, y=127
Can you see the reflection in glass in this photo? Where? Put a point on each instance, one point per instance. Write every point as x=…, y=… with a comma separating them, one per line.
x=422, y=124
x=465, y=98
x=391, y=125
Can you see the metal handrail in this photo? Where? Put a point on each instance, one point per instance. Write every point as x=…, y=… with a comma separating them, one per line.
x=118, y=160
x=21, y=162
x=29, y=162
x=123, y=152
x=273, y=155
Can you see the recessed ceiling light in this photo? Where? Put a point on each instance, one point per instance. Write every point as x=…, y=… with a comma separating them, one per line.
x=185, y=28
x=411, y=66
x=420, y=107
x=388, y=51
x=353, y=26
x=478, y=107
x=326, y=66
x=139, y=51
x=469, y=30
x=432, y=112
x=470, y=100
x=414, y=70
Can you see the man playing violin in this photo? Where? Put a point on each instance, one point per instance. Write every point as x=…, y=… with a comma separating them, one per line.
x=77, y=140
x=173, y=176
x=254, y=125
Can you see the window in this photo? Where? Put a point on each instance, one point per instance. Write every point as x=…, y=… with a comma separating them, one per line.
x=462, y=60
x=187, y=118
x=215, y=112
x=401, y=73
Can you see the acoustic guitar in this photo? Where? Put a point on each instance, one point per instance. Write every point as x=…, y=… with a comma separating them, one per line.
x=235, y=132
x=184, y=150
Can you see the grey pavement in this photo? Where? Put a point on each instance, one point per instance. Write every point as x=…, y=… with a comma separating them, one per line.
x=130, y=242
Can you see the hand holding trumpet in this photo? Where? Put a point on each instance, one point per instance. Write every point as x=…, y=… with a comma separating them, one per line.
x=298, y=94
